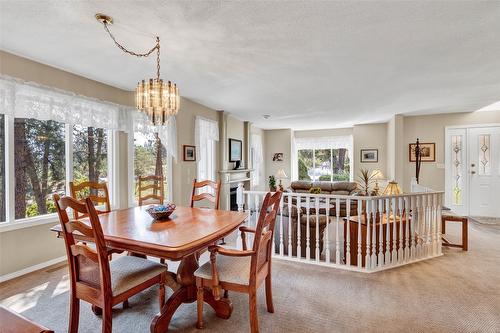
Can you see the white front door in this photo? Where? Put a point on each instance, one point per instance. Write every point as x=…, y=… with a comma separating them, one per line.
x=484, y=171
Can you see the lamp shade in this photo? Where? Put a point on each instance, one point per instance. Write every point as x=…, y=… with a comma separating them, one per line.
x=392, y=188
x=377, y=174
x=281, y=174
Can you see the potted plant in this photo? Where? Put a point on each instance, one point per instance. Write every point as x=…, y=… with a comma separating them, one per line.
x=366, y=179
x=272, y=183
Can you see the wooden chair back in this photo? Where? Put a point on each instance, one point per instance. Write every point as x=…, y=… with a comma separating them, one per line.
x=264, y=234
x=89, y=268
x=154, y=188
x=97, y=192
x=213, y=198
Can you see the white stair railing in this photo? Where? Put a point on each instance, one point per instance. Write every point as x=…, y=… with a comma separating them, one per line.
x=358, y=233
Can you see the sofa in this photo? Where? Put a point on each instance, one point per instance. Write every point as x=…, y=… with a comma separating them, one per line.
x=291, y=214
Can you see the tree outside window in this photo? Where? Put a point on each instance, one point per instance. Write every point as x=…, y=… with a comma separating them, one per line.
x=323, y=164
x=39, y=163
x=150, y=157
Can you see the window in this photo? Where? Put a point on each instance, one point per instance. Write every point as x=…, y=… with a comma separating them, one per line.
x=47, y=138
x=39, y=164
x=323, y=158
x=324, y=164
x=3, y=202
x=90, y=154
x=256, y=154
x=150, y=157
x=206, y=134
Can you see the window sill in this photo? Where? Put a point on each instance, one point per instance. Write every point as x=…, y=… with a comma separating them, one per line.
x=28, y=222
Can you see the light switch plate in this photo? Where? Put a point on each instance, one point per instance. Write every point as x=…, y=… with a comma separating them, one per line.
x=440, y=166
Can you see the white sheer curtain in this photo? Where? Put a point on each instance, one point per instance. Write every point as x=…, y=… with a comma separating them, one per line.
x=206, y=134
x=331, y=142
x=256, y=148
x=30, y=100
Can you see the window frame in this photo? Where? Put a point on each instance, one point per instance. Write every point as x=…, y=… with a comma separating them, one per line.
x=331, y=161
x=10, y=222
x=132, y=182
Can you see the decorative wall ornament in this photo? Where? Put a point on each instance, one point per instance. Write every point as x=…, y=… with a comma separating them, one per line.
x=278, y=157
x=427, y=152
x=456, y=147
x=189, y=153
x=484, y=155
x=369, y=155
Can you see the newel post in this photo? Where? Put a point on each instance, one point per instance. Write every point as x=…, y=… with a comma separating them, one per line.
x=239, y=196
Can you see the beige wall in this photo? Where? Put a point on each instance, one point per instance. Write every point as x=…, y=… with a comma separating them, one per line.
x=183, y=173
x=395, y=148
x=29, y=70
x=235, y=129
x=278, y=141
x=370, y=136
x=432, y=129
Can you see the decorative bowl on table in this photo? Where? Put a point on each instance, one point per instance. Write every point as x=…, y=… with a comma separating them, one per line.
x=161, y=212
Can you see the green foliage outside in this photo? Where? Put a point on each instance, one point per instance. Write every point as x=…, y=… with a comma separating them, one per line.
x=334, y=161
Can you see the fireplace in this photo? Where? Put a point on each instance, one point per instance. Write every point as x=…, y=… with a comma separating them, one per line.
x=233, y=204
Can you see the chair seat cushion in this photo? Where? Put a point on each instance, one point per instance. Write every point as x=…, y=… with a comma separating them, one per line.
x=231, y=269
x=128, y=272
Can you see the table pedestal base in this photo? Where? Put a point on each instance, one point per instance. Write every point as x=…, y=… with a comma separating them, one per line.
x=184, y=287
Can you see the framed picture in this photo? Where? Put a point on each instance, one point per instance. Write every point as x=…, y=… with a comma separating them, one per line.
x=369, y=155
x=427, y=150
x=235, y=150
x=278, y=157
x=189, y=153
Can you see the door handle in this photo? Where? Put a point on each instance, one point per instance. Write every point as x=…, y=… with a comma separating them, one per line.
x=473, y=172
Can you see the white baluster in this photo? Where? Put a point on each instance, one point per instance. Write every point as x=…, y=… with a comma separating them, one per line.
x=317, y=230
x=337, y=221
x=348, y=233
x=407, y=227
x=368, y=234
x=290, y=225
x=387, y=258
x=400, y=230
x=360, y=218
x=418, y=227
x=374, y=233
x=394, y=250
x=239, y=197
x=281, y=248
x=413, y=216
x=327, y=238
x=299, y=252
x=380, y=232
x=308, y=232
x=439, y=231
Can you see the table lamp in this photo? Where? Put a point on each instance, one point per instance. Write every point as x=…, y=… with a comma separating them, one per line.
x=281, y=174
x=392, y=188
x=377, y=175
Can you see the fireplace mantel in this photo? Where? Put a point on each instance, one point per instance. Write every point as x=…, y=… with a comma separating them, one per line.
x=230, y=179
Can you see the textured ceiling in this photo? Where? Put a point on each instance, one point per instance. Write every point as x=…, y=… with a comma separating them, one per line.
x=308, y=64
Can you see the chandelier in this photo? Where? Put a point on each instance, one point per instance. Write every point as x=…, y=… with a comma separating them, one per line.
x=157, y=99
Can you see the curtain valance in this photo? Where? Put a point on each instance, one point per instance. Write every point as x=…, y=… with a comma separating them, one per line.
x=332, y=142
x=29, y=100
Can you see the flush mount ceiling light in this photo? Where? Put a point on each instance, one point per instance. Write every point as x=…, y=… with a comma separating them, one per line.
x=159, y=100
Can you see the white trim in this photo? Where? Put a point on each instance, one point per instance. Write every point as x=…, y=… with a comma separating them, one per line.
x=10, y=175
x=30, y=269
x=68, y=155
x=28, y=222
x=471, y=126
x=130, y=171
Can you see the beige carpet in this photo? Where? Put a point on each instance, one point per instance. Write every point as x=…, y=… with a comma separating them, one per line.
x=458, y=292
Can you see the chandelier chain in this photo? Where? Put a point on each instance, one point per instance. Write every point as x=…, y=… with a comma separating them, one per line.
x=139, y=55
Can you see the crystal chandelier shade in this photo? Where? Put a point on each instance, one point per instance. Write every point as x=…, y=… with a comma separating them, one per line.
x=157, y=99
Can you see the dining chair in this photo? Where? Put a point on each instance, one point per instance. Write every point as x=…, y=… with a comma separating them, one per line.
x=153, y=183
x=213, y=198
x=97, y=192
x=242, y=270
x=94, y=278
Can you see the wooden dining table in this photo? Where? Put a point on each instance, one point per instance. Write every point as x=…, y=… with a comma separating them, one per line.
x=180, y=238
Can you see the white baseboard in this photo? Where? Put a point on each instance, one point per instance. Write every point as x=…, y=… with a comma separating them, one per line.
x=30, y=269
